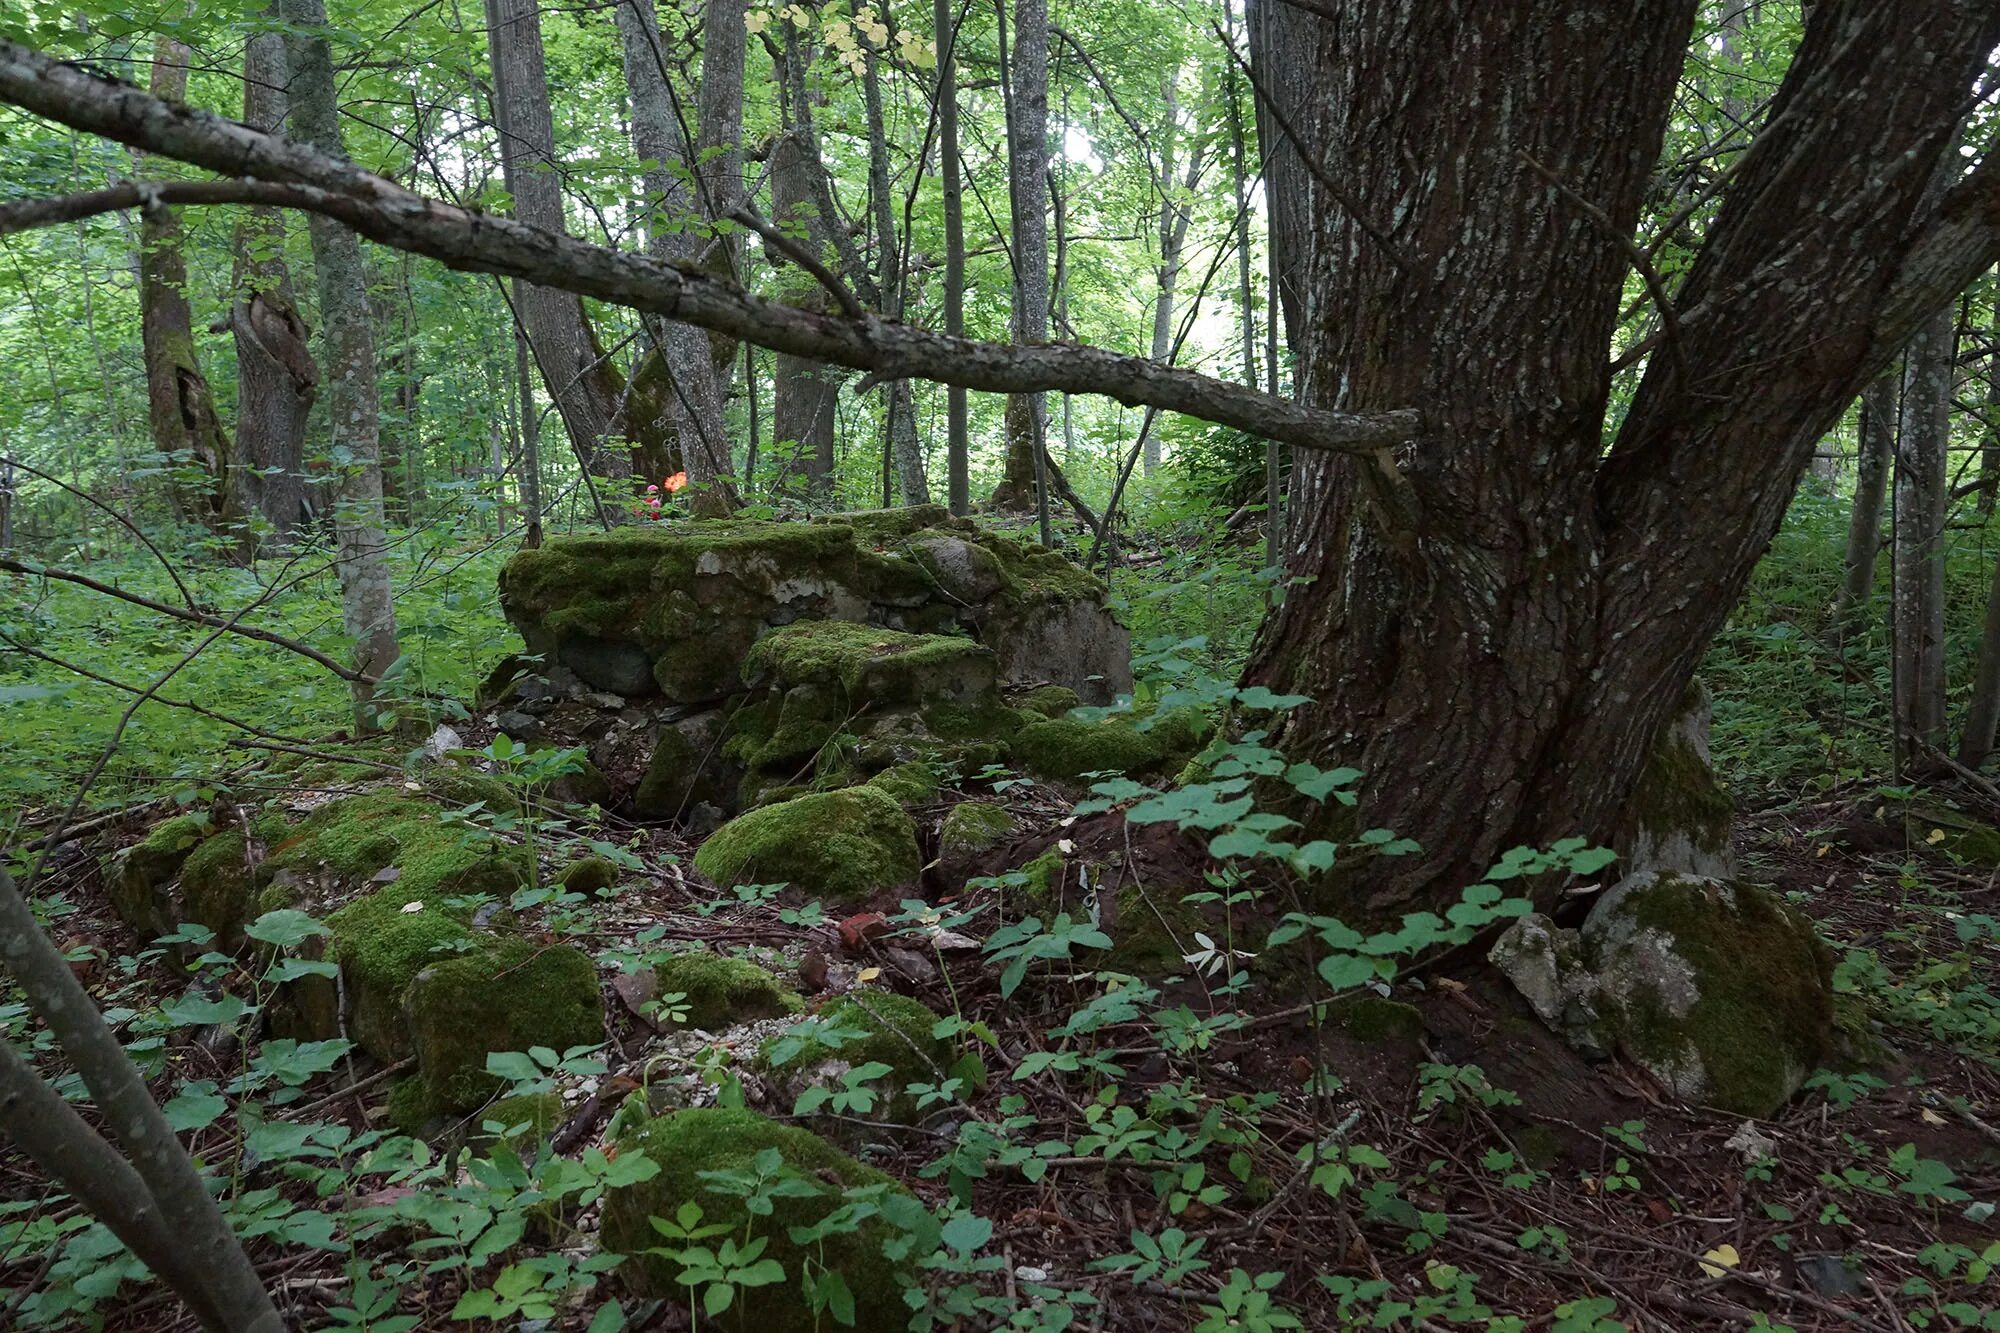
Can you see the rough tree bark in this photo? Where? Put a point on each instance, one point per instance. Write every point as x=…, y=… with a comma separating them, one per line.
x=1871, y=483
x=1026, y=77
x=367, y=600
x=958, y=449
x=1923, y=438
x=277, y=378
x=805, y=393
x=899, y=405
x=180, y=408
x=1500, y=616
x=584, y=385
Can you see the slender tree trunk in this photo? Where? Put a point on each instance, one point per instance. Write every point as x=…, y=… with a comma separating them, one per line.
x=1026, y=78
x=1172, y=229
x=1989, y=429
x=367, y=605
x=1874, y=455
x=586, y=389
x=277, y=378
x=899, y=406
x=222, y=1285
x=958, y=449
x=180, y=408
x=1917, y=613
x=531, y=438
x=1975, y=743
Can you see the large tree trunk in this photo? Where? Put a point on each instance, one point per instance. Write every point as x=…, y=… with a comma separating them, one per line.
x=585, y=387
x=1499, y=617
x=367, y=606
x=277, y=379
x=693, y=386
x=1917, y=611
x=180, y=408
x=804, y=393
x=1871, y=482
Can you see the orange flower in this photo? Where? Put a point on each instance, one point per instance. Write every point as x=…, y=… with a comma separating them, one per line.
x=675, y=482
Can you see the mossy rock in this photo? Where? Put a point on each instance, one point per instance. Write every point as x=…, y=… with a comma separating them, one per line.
x=907, y=784
x=589, y=875
x=354, y=839
x=1151, y=930
x=897, y=1033
x=841, y=845
x=871, y=666
x=507, y=995
x=687, y=1143
x=1378, y=1021
x=530, y=1116
x=1064, y=749
x=1719, y=989
x=971, y=829
x=723, y=992
x=1049, y=701
x=380, y=949
x=139, y=876
x=690, y=766
x=1939, y=827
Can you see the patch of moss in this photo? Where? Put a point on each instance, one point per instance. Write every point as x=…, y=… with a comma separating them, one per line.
x=972, y=828
x=897, y=1033
x=1379, y=1021
x=687, y=1143
x=985, y=722
x=1762, y=1016
x=1151, y=930
x=872, y=665
x=1049, y=700
x=1064, y=749
x=542, y=1112
x=380, y=949
x=138, y=876
x=722, y=992
x=505, y=996
x=357, y=837
x=1966, y=838
x=841, y=845
x=589, y=875
x=908, y=784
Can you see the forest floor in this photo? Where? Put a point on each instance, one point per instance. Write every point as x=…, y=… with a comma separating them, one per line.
x=1509, y=1186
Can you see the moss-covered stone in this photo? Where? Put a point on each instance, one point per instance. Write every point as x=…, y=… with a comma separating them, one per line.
x=971, y=829
x=1064, y=749
x=1941, y=828
x=589, y=875
x=896, y=1032
x=687, y=1143
x=380, y=948
x=1379, y=1021
x=506, y=995
x=1049, y=700
x=354, y=839
x=722, y=992
x=873, y=666
x=523, y=1120
x=1723, y=992
x=139, y=876
x=1151, y=929
x=841, y=845
x=912, y=783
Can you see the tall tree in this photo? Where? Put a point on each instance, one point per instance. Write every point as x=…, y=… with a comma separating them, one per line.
x=1496, y=620
x=367, y=604
x=899, y=405
x=584, y=385
x=180, y=407
x=675, y=230
x=1025, y=74
x=958, y=449
x=1923, y=439
x=804, y=393
x=276, y=377
x=1874, y=459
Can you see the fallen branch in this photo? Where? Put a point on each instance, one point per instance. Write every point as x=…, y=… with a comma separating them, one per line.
x=477, y=242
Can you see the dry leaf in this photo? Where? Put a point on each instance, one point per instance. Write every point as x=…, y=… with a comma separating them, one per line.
x=868, y=974
x=1933, y=1118
x=1718, y=1261
x=1936, y=837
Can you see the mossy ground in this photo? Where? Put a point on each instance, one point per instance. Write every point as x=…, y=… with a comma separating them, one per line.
x=971, y=828
x=687, y=1143
x=721, y=992
x=355, y=838
x=508, y=995
x=589, y=874
x=840, y=845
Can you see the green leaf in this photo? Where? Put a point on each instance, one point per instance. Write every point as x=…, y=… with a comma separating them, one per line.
x=1345, y=971
x=285, y=928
